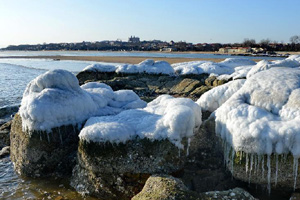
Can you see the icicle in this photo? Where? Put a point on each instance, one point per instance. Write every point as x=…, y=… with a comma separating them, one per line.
x=232, y=159
x=295, y=169
x=188, y=146
x=225, y=150
x=269, y=174
x=241, y=156
x=251, y=167
x=247, y=163
x=179, y=152
x=258, y=162
x=276, y=174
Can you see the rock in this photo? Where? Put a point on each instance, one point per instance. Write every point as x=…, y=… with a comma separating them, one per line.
x=6, y=113
x=4, y=134
x=165, y=187
x=199, y=91
x=209, y=81
x=186, y=86
x=236, y=193
x=119, y=171
x=41, y=154
x=295, y=196
x=149, y=86
x=204, y=169
x=4, y=152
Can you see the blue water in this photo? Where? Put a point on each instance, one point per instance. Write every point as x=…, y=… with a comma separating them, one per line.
x=122, y=53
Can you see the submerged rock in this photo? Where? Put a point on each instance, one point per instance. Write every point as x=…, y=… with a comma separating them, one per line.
x=41, y=154
x=4, y=134
x=119, y=171
x=4, y=152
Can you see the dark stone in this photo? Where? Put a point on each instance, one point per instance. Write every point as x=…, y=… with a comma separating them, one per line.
x=5, y=134
x=114, y=171
x=41, y=154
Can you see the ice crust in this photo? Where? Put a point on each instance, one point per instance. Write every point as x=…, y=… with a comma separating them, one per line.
x=199, y=67
x=55, y=98
x=263, y=117
x=147, y=66
x=165, y=117
x=215, y=97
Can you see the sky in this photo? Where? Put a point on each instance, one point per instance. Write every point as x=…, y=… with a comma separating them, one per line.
x=196, y=21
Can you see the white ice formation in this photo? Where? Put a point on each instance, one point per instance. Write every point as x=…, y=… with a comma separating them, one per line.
x=228, y=66
x=147, y=66
x=214, y=98
x=165, y=117
x=55, y=98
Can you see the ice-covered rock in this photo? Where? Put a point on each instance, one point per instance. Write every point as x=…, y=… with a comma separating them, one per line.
x=44, y=135
x=55, y=99
x=199, y=67
x=116, y=153
x=265, y=65
x=215, y=97
x=147, y=66
x=262, y=121
x=164, y=118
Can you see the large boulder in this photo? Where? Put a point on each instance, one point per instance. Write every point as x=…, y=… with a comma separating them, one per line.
x=39, y=154
x=119, y=171
x=116, y=153
x=259, y=126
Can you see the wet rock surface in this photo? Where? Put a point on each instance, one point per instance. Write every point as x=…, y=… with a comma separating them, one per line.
x=41, y=154
x=5, y=134
x=113, y=171
x=4, y=152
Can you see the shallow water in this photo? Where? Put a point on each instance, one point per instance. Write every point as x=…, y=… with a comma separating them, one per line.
x=15, y=187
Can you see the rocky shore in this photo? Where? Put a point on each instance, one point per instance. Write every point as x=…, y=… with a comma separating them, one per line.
x=168, y=148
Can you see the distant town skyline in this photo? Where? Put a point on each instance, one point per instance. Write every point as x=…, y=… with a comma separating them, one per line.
x=195, y=21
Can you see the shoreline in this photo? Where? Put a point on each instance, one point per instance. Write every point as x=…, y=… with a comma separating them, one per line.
x=118, y=59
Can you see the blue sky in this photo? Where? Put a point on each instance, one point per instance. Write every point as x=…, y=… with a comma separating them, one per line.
x=38, y=21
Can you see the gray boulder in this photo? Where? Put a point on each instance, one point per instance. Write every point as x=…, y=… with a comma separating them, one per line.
x=42, y=154
x=119, y=171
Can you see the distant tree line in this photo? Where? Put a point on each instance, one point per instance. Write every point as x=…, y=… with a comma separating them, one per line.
x=156, y=45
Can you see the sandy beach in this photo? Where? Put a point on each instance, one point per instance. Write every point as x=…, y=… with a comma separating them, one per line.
x=115, y=59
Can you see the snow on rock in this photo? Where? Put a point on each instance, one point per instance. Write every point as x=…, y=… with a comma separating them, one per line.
x=147, y=66
x=291, y=62
x=263, y=117
x=55, y=98
x=164, y=118
x=215, y=97
x=236, y=62
x=199, y=67
x=101, y=67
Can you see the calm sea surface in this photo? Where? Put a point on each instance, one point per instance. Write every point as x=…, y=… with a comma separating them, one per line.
x=15, y=74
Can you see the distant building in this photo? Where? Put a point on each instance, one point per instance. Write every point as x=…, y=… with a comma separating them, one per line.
x=168, y=49
x=134, y=39
x=235, y=50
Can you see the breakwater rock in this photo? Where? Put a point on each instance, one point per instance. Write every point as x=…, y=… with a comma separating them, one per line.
x=149, y=86
x=42, y=154
x=114, y=171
